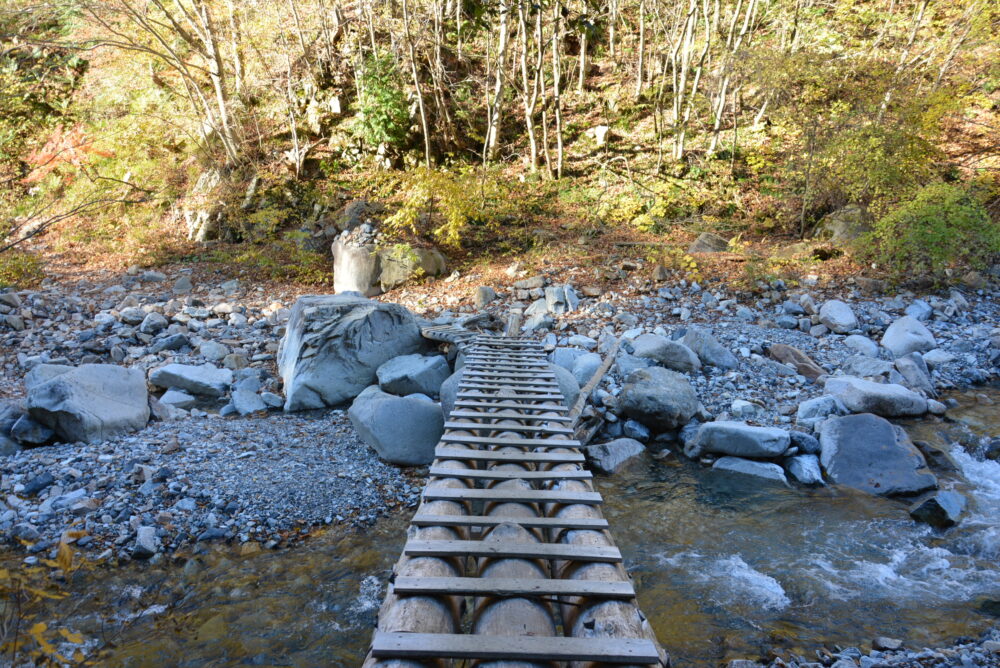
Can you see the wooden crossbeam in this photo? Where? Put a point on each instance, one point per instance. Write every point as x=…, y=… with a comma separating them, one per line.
x=514, y=442
x=480, y=548
x=595, y=523
x=508, y=415
x=477, y=426
x=512, y=403
x=502, y=495
x=513, y=648
x=445, y=472
x=516, y=457
x=457, y=586
x=522, y=395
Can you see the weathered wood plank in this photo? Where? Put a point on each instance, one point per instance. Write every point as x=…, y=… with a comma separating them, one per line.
x=513, y=648
x=477, y=548
x=499, y=384
x=513, y=403
x=477, y=373
x=491, y=521
x=508, y=415
x=479, y=426
x=515, y=442
x=516, y=457
x=503, y=495
x=523, y=395
x=471, y=474
x=460, y=586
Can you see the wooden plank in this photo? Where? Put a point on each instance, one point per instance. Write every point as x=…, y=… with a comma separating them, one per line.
x=492, y=521
x=501, y=495
x=512, y=403
x=476, y=474
x=483, y=548
x=493, y=386
x=512, y=355
x=537, y=375
x=521, y=457
x=478, y=426
x=457, y=586
x=388, y=645
x=513, y=442
x=523, y=395
x=505, y=382
x=508, y=415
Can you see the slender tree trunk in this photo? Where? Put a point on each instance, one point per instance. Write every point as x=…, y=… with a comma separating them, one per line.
x=639, y=73
x=557, y=39
x=416, y=84
x=494, y=101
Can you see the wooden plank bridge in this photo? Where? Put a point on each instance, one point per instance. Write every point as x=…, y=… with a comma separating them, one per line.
x=508, y=560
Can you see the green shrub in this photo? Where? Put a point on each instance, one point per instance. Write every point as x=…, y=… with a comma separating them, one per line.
x=383, y=113
x=941, y=228
x=20, y=269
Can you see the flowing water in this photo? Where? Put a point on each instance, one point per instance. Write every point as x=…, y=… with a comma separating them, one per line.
x=725, y=567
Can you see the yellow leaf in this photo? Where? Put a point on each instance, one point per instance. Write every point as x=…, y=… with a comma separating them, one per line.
x=65, y=557
x=79, y=656
x=4, y=574
x=76, y=638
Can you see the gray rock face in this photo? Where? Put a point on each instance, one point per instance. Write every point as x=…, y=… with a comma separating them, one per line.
x=153, y=323
x=918, y=377
x=449, y=392
x=708, y=243
x=670, y=354
x=864, y=366
x=356, y=268
x=658, y=398
x=585, y=367
x=565, y=357
x=887, y=400
x=708, y=349
x=247, y=401
x=91, y=402
x=333, y=346
x=146, y=543
x=749, y=467
x=567, y=384
x=738, y=439
x=908, y=335
x=413, y=374
x=871, y=454
x=402, y=430
x=939, y=509
x=206, y=380
x=844, y=224
x=862, y=345
x=484, y=295
x=612, y=456
x=838, y=316
x=178, y=399
x=805, y=469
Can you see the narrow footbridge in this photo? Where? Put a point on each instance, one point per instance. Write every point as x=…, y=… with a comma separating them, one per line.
x=508, y=560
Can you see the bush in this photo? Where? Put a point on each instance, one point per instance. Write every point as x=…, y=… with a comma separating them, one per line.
x=941, y=228
x=383, y=113
x=20, y=269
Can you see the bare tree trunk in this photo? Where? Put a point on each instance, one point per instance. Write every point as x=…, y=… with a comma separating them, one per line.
x=556, y=84
x=493, y=103
x=639, y=73
x=416, y=84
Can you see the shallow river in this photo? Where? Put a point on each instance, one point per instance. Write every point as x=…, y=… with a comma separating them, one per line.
x=725, y=568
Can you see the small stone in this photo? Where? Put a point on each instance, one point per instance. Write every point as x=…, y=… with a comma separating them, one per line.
x=885, y=644
x=484, y=295
x=183, y=285
x=146, y=543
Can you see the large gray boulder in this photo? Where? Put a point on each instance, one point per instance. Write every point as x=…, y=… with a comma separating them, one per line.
x=449, y=392
x=908, y=335
x=611, y=456
x=402, y=430
x=413, y=374
x=90, y=403
x=885, y=399
x=845, y=224
x=838, y=316
x=585, y=367
x=869, y=453
x=738, y=439
x=334, y=344
x=658, y=398
x=567, y=384
x=670, y=354
x=356, y=268
x=206, y=379
x=749, y=467
x=708, y=349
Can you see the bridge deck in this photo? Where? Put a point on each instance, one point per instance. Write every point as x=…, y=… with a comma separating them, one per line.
x=508, y=558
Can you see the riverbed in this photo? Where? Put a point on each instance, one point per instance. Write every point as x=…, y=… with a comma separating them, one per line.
x=725, y=566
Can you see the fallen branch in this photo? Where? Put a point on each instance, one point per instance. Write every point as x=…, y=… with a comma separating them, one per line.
x=581, y=401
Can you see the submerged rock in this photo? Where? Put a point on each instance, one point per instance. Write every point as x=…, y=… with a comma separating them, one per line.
x=940, y=509
x=750, y=467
